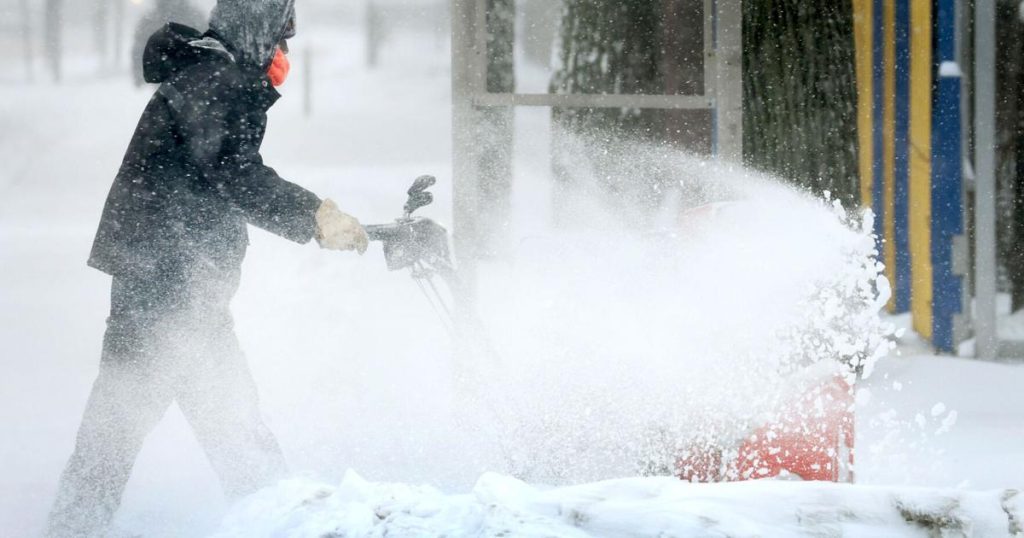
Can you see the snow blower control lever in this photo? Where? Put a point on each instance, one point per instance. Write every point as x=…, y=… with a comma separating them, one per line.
x=418, y=195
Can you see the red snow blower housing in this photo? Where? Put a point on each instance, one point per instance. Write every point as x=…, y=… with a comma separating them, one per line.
x=807, y=437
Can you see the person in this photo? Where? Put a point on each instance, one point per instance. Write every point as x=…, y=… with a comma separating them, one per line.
x=173, y=235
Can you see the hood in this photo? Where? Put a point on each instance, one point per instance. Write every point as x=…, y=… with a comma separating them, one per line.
x=252, y=28
x=174, y=47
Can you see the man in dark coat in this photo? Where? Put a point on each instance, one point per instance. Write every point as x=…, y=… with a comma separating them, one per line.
x=173, y=235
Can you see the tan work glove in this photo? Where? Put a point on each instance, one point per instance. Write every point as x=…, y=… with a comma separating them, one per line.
x=339, y=231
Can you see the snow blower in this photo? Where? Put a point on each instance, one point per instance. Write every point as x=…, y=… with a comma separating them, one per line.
x=421, y=245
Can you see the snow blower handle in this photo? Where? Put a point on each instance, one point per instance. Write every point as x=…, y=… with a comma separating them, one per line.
x=414, y=241
x=421, y=245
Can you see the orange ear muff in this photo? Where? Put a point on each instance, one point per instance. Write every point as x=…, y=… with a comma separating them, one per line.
x=278, y=70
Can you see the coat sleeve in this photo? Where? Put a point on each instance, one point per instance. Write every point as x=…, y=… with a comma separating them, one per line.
x=222, y=133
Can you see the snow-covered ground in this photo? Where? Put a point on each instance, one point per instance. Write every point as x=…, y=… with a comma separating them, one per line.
x=640, y=507
x=350, y=360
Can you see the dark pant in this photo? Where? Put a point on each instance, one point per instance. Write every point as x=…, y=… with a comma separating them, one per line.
x=169, y=338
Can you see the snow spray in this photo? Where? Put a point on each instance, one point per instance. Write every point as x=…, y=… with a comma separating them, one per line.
x=679, y=305
x=626, y=337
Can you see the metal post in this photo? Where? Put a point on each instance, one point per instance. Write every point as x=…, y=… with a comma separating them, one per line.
x=729, y=79
x=496, y=138
x=101, y=22
x=53, y=32
x=118, y=33
x=986, y=330
x=467, y=56
x=710, y=66
x=373, y=34
x=26, y=39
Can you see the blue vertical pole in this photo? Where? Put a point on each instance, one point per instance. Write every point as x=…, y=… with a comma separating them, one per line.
x=947, y=198
x=878, y=94
x=901, y=209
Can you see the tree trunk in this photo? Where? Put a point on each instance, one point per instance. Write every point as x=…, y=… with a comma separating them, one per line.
x=613, y=47
x=799, y=110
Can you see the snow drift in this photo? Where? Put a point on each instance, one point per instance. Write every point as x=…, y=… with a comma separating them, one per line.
x=502, y=506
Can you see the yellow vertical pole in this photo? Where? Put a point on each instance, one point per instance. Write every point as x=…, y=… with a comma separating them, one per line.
x=921, y=166
x=863, y=43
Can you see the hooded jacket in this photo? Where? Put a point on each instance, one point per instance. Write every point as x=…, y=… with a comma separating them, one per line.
x=252, y=28
x=193, y=177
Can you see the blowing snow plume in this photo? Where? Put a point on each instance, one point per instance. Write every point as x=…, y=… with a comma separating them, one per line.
x=620, y=338
x=619, y=347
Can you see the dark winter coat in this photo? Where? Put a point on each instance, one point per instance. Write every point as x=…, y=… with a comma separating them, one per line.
x=193, y=177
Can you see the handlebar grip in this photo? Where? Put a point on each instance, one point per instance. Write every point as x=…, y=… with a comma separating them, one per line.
x=380, y=232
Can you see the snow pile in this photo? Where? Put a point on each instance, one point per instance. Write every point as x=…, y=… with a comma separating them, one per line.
x=502, y=506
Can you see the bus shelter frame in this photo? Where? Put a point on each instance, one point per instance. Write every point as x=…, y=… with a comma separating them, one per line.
x=722, y=94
